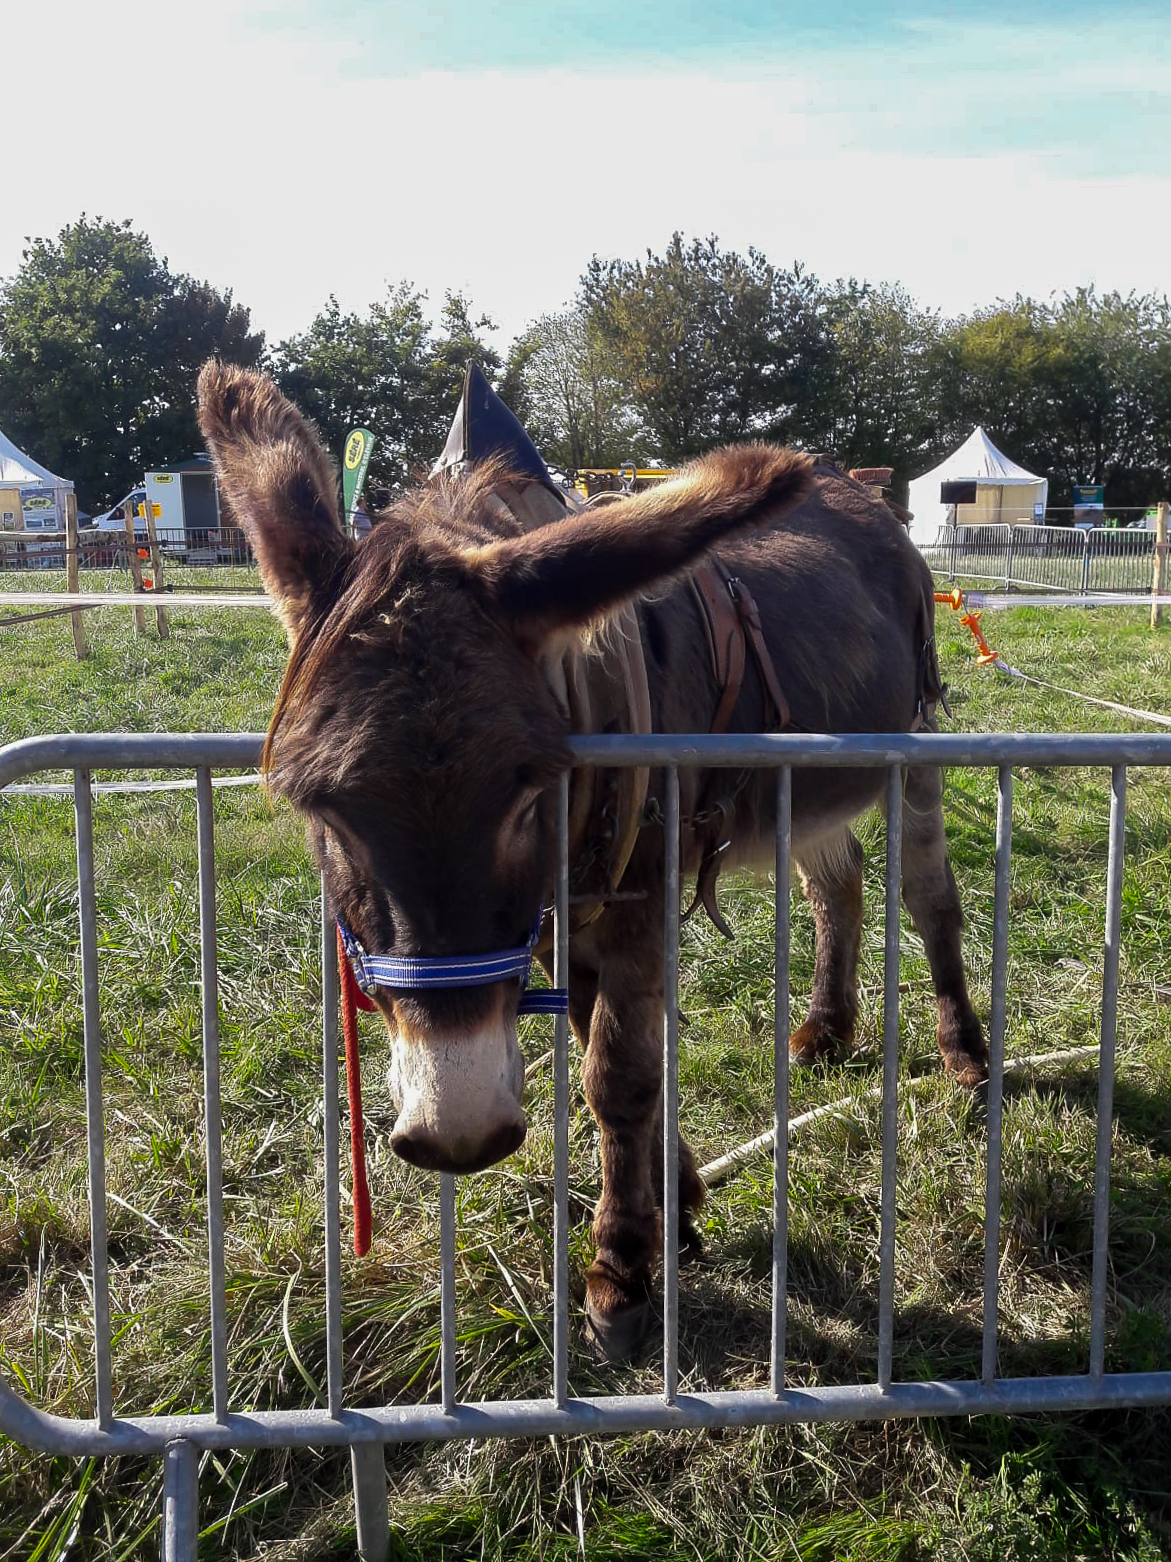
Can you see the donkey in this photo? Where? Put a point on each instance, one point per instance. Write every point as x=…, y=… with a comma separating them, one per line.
x=421, y=730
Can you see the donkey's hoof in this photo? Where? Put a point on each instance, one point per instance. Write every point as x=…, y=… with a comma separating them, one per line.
x=813, y=1043
x=619, y=1336
x=967, y=1070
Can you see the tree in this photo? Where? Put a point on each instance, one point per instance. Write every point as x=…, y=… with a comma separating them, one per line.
x=571, y=401
x=387, y=371
x=1078, y=388
x=364, y=371
x=100, y=345
x=692, y=336
x=869, y=401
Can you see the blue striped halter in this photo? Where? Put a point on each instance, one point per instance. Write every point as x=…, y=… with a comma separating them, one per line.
x=415, y=973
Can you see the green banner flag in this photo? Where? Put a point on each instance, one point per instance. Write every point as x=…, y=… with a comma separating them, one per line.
x=359, y=444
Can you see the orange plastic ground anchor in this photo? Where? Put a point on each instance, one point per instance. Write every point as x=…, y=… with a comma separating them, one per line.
x=987, y=654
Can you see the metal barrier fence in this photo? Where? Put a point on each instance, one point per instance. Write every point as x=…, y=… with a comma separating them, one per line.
x=179, y=1439
x=1054, y=557
x=106, y=550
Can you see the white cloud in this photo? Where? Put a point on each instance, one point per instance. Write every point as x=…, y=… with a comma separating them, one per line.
x=240, y=150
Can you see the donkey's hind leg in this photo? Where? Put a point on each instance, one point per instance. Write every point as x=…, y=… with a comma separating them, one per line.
x=831, y=876
x=930, y=895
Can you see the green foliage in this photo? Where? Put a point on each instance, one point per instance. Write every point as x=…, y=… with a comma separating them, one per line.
x=100, y=345
x=710, y=344
x=385, y=370
x=569, y=396
x=661, y=359
x=1077, y=387
x=869, y=395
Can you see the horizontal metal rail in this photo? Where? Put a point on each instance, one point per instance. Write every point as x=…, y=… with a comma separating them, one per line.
x=879, y=750
x=594, y=1414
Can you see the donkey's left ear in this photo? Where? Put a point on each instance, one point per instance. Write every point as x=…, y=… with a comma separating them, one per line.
x=280, y=485
x=573, y=572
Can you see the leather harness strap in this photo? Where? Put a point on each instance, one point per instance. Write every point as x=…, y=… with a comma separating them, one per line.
x=732, y=620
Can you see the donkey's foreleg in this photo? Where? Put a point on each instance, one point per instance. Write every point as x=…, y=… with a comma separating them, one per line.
x=622, y=1074
x=931, y=897
x=831, y=877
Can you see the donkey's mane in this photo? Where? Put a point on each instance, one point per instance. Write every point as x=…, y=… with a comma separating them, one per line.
x=430, y=531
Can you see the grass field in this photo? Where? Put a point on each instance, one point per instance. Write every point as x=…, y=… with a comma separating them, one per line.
x=1087, y=1486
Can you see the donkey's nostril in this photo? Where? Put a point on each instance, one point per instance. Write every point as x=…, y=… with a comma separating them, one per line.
x=418, y=1147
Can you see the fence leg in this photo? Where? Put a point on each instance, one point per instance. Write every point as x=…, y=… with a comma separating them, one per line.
x=1159, y=581
x=368, y=1464
x=135, y=566
x=1085, y=562
x=1008, y=557
x=180, y=1502
x=72, y=576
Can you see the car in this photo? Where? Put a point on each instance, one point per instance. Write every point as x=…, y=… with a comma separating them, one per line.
x=114, y=520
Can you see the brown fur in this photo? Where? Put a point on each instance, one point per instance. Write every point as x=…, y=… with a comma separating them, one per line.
x=417, y=731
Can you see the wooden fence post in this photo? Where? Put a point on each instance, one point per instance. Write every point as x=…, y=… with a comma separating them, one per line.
x=72, y=577
x=135, y=564
x=156, y=559
x=1159, y=582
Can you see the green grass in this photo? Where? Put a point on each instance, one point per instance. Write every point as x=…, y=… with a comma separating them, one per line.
x=1090, y=1485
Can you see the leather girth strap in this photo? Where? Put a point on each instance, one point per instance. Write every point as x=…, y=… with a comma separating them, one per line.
x=732, y=621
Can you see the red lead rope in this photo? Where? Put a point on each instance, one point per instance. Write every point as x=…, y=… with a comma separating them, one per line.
x=352, y=999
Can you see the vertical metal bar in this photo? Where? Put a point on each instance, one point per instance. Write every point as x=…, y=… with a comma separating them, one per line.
x=890, y=1076
x=94, y=1120
x=781, y=1079
x=561, y=1106
x=1106, y=1069
x=996, y=1069
x=447, y=1289
x=209, y=991
x=180, y=1502
x=671, y=1091
x=371, y=1508
x=331, y=1151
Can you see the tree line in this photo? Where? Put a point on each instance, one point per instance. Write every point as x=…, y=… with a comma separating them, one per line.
x=658, y=360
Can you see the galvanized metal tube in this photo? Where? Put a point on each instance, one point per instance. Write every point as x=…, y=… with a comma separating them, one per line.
x=94, y=1119
x=1106, y=1070
x=371, y=1508
x=602, y=1415
x=180, y=1502
x=890, y=1076
x=781, y=1078
x=671, y=890
x=729, y=749
x=209, y=992
x=447, y=1290
x=996, y=1069
x=561, y=1106
x=331, y=1138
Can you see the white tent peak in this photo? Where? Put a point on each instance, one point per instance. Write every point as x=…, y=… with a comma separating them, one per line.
x=18, y=470
x=978, y=457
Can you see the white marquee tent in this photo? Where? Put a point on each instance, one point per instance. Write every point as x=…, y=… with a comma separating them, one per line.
x=1005, y=492
x=39, y=488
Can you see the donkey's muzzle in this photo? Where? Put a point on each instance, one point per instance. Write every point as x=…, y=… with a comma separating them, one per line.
x=459, y=1097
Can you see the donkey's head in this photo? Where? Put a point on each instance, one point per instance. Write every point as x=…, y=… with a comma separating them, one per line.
x=416, y=729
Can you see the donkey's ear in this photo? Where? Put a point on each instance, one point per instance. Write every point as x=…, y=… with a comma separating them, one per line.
x=280, y=485
x=575, y=571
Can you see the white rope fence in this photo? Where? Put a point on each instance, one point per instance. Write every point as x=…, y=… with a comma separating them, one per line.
x=716, y=1171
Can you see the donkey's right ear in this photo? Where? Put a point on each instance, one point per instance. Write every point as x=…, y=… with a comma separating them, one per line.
x=280, y=485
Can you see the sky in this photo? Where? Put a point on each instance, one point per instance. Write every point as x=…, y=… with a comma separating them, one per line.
x=290, y=149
